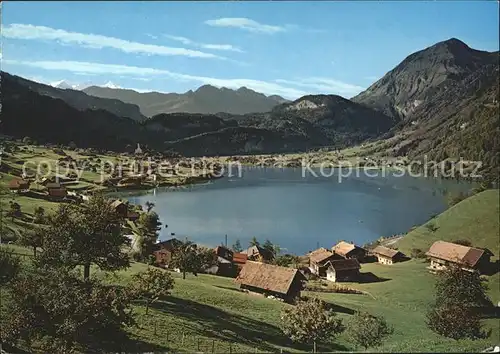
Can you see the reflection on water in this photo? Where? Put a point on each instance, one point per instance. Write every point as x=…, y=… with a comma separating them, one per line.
x=298, y=213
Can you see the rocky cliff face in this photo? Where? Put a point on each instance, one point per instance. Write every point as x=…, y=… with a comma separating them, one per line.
x=422, y=76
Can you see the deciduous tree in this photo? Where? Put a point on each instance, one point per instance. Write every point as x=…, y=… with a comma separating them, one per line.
x=191, y=259
x=39, y=215
x=10, y=266
x=148, y=227
x=85, y=235
x=15, y=210
x=151, y=285
x=32, y=238
x=459, y=296
x=310, y=321
x=64, y=314
x=367, y=330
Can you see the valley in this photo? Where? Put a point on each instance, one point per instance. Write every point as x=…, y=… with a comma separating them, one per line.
x=251, y=178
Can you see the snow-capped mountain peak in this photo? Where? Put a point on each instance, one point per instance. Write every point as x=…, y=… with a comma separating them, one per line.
x=65, y=85
x=111, y=85
x=62, y=84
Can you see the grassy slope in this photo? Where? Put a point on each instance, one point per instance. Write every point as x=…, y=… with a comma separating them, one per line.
x=403, y=298
x=474, y=219
x=210, y=308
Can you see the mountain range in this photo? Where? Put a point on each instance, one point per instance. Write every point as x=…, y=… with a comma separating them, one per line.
x=441, y=101
x=206, y=99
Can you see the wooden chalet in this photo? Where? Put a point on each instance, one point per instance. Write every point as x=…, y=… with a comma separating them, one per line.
x=163, y=251
x=224, y=252
x=442, y=254
x=345, y=250
x=120, y=207
x=387, y=255
x=257, y=253
x=318, y=260
x=19, y=185
x=56, y=190
x=53, y=185
x=225, y=266
x=285, y=283
x=343, y=270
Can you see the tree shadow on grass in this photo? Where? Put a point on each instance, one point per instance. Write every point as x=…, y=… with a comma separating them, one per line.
x=229, y=288
x=131, y=345
x=370, y=278
x=121, y=344
x=339, y=309
x=220, y=325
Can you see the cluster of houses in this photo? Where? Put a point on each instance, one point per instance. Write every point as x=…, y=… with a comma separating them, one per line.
x=53, y=189
x=342, y=263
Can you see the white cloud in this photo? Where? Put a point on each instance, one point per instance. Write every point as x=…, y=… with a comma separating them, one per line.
x=96, y=41
x=187, y=41
x=325, y=85
x=245, y=24
x=269, y=88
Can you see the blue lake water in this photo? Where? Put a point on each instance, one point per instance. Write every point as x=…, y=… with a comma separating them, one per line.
x=298, y=213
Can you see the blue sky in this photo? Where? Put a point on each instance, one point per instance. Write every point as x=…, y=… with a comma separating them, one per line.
x=285, y=48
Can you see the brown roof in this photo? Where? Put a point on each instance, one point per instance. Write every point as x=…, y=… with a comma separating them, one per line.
x=268, y=277
x=117, y=203
x=224, y=252
x=320, y=255
x=53, y=185
x=343, y=248
x=58, y=192
x=18, y=183
x=455, y=253
x=239, y=258
x=169, y=244
x=257, y=250
x=344, y=264
x=384, y=251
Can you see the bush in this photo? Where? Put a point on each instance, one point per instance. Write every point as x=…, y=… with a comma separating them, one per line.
x=310, y=321
x=463, y=243
x=151, y=260
x=367, y=330
x=455, y=198
x=417, y=253
x=455, y=321
x=329, y=287
x=431, y=227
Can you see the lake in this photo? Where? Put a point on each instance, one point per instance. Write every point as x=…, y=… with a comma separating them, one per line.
x=298, y=213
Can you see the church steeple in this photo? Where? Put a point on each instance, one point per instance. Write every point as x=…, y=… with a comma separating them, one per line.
x=138, y=150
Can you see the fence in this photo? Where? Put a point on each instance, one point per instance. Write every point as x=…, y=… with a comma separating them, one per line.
x=191, y=342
